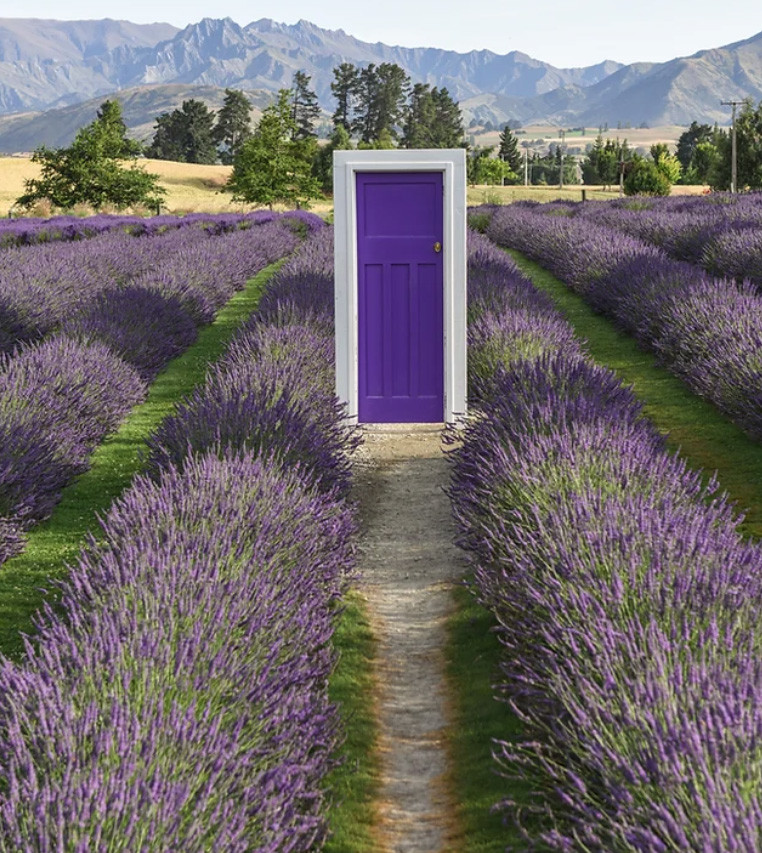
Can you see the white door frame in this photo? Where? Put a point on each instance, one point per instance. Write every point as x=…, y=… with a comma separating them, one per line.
x=451, y=162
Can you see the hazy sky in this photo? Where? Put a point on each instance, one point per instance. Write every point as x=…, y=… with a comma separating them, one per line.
x=564, y=34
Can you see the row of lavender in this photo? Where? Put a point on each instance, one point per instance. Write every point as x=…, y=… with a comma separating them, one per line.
x=707, y=331
x=32, y=230
x=179, y=701
x=626, y=600
x=720, y=232
x=108, y=320
x=60, y=286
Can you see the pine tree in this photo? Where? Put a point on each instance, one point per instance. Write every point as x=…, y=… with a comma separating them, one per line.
x=432, y=119
x=509, y=150
x=113, y=131
x=306, y=109
x=344, y=89
x=233, y=126
x=381, y=97
x=200, y=146
x=448, y=131
x=186, y=135
x=420, y=117
x=365, y=113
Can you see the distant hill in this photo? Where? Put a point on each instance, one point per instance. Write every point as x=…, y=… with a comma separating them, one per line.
x=140, y=106
x=56, y=65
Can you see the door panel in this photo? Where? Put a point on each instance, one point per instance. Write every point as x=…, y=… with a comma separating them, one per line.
x=400, y=297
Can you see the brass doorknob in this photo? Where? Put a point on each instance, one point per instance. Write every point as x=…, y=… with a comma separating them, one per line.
x=437, y=246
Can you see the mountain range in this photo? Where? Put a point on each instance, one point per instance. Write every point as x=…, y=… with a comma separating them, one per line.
x=54, y=74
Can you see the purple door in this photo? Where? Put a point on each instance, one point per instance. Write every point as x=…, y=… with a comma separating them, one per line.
x=400, y=297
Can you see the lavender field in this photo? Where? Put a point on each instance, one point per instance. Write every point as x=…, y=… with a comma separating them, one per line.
x=626, y=599
x=84, y=328
x=176, y=699
x=706, y=327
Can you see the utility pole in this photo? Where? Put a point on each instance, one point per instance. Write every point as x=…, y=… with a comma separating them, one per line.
x=733, y=148
x=561, y=170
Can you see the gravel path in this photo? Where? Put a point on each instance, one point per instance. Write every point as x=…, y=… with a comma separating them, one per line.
x=408, y=565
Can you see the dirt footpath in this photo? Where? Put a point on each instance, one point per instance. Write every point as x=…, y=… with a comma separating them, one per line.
x=408, y=566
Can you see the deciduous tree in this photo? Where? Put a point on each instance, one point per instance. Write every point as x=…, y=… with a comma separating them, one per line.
x=92, y=170
x=272, y=166
x=748, y=150
x=666, y=163
x=643, y=177
x=322, y=165
x=602, y=164
x=688, y=142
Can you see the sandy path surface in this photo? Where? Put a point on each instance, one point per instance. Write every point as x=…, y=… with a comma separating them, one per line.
x=408, y=565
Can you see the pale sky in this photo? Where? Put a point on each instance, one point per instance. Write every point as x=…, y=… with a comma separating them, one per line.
x=564, y=34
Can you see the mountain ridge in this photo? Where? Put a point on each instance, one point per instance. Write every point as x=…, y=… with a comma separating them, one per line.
x=57, y=65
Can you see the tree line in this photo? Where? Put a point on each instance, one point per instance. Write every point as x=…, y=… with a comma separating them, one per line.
x=278, y=161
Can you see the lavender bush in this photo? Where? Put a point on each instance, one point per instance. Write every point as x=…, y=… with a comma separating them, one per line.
x=11, y=539
x=43, y=287
x=274, y=389
x=107, y=337
x=58, y=399
x=302, y=290
x=31, y=230
x=508, y=319
x=179, y=700
x=142, y=326
x=261, y=409
x=626, y=603
x=708, y=331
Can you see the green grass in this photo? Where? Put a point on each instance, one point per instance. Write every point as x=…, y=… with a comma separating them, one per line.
x=115, y=462
x=472, y=655
x=693, y=426
x=354, y=783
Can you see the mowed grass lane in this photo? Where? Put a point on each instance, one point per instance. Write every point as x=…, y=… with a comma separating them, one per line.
x=25, y=580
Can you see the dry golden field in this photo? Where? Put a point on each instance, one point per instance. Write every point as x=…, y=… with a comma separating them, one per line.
x=194, y=188
x=637, y=137
x=572, y=192
x=191, y=188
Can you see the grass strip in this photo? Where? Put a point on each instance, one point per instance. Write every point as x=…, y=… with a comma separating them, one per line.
x=114, y=464
x=478, y=718
x=354, y=783
x=692, y=426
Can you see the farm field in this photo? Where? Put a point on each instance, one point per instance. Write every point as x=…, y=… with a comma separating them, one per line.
x=191, y=187
x=195, y=188
x=636, y=136
x=622, y=580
